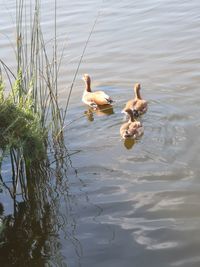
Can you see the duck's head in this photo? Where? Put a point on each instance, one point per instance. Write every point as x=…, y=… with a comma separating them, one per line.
x=129, y=112
x=86, y=78
x=137, y=86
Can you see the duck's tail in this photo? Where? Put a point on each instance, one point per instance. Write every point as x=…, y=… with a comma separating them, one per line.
x=128, y=135
x=93, y=105
x=110, y=101
x=135, y=113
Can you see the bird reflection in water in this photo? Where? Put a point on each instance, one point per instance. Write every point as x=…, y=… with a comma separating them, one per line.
x=100, y=111
x=129, y=143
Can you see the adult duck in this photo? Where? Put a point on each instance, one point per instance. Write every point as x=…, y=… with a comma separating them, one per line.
x=137, y=105
x=94, y=99
x=132, y=129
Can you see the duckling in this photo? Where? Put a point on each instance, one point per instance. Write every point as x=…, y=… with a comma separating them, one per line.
x=131, y=129
x=94, y=99
x=137, y=105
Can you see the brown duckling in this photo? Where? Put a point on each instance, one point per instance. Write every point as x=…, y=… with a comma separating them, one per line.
x=137, y=105
x=131, y=129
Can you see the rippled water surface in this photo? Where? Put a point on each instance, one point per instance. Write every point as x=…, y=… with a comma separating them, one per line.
x=132, y=204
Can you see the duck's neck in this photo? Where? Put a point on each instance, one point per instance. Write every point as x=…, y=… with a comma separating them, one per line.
x=87, y=85
x=137, y=92
x=131, y=119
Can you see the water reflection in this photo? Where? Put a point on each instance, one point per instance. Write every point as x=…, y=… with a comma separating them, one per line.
x=29, y=235
x=89, y=114
x=129, y=143
x=100, y=111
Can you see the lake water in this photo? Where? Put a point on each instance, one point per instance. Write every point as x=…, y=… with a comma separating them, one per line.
x=129, y=205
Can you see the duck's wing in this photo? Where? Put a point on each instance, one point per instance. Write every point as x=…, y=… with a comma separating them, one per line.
x=133, y=126
x=135, y=129
x=123, y=129
x=101, y=98
x=141, y=106
x=89, y=100
x=129, y=105
x=129, y=129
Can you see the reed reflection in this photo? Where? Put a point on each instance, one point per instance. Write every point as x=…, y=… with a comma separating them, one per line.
x=29, y=236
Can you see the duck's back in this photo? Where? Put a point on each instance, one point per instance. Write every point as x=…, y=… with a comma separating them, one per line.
x=141, y=105
x=100, y=98
x=130, y=104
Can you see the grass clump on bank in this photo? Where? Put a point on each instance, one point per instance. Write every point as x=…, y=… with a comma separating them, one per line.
x=31, y=120
x=29, y=115
x=20, y=126
x=21, y=130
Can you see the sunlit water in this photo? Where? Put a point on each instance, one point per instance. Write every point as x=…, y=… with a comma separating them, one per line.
x=131, y=205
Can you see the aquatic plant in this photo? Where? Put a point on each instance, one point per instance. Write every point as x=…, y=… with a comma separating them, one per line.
x=30, y=116
x=33, y=157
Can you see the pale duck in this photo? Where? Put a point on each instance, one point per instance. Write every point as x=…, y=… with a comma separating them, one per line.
x=94, y=99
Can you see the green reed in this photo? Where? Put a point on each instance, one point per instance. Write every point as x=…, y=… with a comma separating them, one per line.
x=30, y=115
x=39, y=69
x=32, y=145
